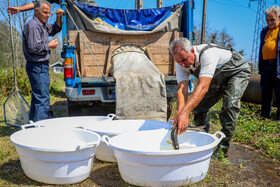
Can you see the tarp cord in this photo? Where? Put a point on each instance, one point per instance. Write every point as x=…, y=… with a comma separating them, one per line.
x=103, y=75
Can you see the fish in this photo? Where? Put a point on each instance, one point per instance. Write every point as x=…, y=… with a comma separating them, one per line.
x=174, y=137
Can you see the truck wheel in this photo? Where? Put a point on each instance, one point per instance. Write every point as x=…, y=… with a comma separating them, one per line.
x=74, y=108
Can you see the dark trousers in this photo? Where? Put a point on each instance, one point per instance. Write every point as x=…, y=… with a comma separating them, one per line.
x=269, y=82
x=38, y=73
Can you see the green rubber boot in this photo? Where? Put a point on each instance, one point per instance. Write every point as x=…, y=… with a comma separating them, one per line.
x=222, y=149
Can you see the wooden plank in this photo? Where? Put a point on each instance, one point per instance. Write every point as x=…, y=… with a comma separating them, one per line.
x=92, y=71
x=158, y=59
x=162, y=60
x=156, y=46
x=108, y=64
x=99, y=58
x=173, y=70
x=150, y=55
x=81, y=52
x=118, y=40
x=97, y=49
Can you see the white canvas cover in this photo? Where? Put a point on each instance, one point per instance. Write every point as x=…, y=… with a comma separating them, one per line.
x=140, y=86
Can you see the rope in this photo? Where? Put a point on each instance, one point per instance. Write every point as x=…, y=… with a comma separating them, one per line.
x=12, y=45
x=103, y=75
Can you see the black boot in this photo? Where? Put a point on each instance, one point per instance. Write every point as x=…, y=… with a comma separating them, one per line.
x=201, y=121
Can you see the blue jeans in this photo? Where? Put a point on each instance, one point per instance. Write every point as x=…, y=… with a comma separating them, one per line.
x=38, y=73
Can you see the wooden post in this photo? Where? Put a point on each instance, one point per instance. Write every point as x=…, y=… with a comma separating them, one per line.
x=203, y=27
x=159, y=3
x=108, y=64
x=138, y=4
x=81, y=51
x=150, y=55
x=175, y=34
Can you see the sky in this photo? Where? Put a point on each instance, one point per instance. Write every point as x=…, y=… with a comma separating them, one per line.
x=233, y=15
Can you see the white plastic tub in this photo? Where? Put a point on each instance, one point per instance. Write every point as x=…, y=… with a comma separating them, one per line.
x=146, y=158
x=116, y=127
x=56, y=156
x=72, y=122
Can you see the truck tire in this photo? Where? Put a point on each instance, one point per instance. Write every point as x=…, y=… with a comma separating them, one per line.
x=74, y=108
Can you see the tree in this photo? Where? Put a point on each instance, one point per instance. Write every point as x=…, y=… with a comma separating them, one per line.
x=221, y=38
x=17, y=19
x=4, y=49
x=5, y=46
x=56, y=53
x=18, y=22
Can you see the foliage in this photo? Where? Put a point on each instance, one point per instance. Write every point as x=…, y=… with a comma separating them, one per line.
x=5, y=50
x=221, y=38
x=6, y=59
x=56, y=53
x=23, y=84
x=57, y=85
x=263, y=135
x=19, y=19
x=260, y=134
x=3, y=59
x=18, y=22
x=7, y=81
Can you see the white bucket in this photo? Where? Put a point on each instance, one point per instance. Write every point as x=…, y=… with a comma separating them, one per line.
x=116, y=127
x=146, y=158
x=72, y=122
x=56, y=156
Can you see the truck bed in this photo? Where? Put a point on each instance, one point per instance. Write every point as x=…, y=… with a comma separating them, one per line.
x=155, y=45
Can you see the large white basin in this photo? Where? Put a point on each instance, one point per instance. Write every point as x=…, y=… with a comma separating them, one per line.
x=56, y=155
x=146, y=158
x=72, y=122
x=112, y=128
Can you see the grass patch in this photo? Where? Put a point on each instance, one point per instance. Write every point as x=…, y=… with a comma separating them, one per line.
x=263, y=135
x=260, y=134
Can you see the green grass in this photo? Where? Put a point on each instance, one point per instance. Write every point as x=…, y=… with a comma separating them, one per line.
x=11, y=173
x=250, y=131
x=7, y=82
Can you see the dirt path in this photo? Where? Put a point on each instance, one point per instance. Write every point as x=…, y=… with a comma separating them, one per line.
x=248, y=167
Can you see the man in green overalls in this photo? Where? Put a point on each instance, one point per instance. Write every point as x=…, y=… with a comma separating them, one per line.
x=221, y=73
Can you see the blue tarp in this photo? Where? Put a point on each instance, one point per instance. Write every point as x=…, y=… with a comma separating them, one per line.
x=137, y=19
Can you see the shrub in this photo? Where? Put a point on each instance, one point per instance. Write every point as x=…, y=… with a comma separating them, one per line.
x=23, y=84
x=7, y=81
